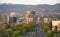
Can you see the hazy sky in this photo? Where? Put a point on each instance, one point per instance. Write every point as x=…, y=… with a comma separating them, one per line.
x=30, y=2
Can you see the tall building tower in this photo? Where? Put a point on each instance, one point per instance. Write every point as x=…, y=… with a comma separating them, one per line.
x=12, y=18
x=3, y=18
x=30, y=16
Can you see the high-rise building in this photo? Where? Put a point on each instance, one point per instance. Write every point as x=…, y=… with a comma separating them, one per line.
x=12, y=17
x=3, y=18
x=13, y=14
x=31, y=16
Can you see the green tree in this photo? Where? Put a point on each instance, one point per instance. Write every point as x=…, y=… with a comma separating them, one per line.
x=15, y=34
x=3, y=33
x=46, y=29
x=23, y=32
x=9, y=31
x=17, y=27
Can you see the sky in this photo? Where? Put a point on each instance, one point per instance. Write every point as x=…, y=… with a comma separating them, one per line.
x=30, y=2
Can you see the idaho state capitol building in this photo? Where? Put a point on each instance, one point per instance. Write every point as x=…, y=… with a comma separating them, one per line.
x=31, y=16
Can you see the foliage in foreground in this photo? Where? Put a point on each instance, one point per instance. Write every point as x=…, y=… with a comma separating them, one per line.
x=15, y=30
x=49, y=32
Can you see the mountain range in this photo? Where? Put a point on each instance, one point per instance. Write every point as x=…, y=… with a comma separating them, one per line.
x=20, y=8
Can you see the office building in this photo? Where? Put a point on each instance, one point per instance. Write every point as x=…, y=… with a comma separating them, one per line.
x=3, y=18
x=12, y=17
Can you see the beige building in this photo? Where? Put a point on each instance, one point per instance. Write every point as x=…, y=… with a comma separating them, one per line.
x=29, y=20
x=46, y=20
x=30, y=16
x=13, y=14
x=3, y=18
x=56, y=24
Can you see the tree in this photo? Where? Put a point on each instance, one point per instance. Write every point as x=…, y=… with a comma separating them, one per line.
x=3, y=33
x=17, y=27
x=29, y=27
x=15, y=34
x=23, y=32
x=9, y=31
x=46, y=29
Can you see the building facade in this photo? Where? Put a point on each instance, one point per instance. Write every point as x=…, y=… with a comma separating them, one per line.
x=12, y=17
x=56, y=25
x=3, y=18
x=31, y=16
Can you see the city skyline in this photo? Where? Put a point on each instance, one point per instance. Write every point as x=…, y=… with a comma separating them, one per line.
x=30, y=2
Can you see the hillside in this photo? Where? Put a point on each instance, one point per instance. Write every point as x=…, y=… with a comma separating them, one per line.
x=20, y=8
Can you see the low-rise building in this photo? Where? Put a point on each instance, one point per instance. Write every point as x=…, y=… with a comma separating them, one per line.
x=20, y=20
x=56, y=25
x=46, y=19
